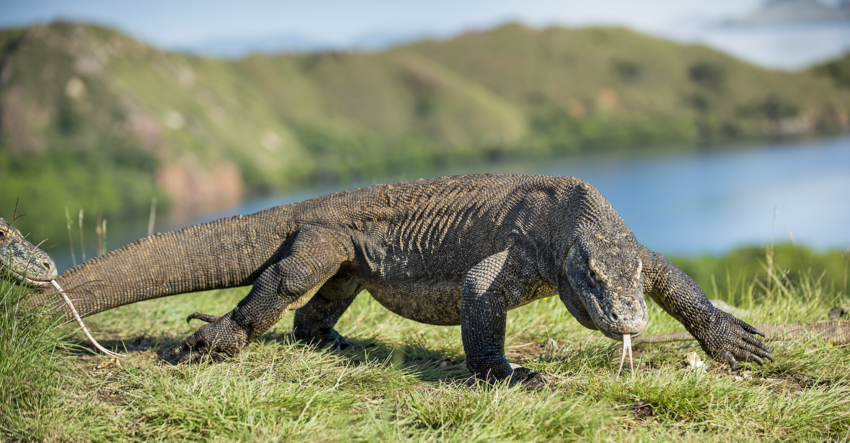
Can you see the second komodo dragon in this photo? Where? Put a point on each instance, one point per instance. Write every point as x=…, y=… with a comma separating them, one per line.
x=444, y=251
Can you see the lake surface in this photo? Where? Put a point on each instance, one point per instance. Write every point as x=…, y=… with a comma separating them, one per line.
x=681, y=203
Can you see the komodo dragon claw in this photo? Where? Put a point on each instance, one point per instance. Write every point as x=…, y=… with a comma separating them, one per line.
x=203, y=317
x=729, y=339
x=528, y=378
x=221, y=337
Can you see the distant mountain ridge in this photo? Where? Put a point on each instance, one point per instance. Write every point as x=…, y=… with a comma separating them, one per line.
x=236, y=47
x=92, y=118
x=778, y=12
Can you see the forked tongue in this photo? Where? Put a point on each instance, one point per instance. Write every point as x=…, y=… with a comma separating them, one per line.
x=627, y=345
x=83, y=326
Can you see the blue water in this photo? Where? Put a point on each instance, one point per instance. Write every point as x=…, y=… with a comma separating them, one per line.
x=685, y=204
x=713, y=202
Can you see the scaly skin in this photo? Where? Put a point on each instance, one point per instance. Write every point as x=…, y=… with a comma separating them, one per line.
x=446, y=251
x=26, y=264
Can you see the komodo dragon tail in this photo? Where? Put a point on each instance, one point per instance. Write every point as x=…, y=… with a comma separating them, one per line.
x=836, y=332
x=220, y=254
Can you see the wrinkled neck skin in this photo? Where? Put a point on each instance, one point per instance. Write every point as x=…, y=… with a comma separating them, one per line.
x=600, y=280
x=23, y=261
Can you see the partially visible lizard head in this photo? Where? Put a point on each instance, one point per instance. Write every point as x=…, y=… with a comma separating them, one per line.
x=26, y=263
x=604, y=273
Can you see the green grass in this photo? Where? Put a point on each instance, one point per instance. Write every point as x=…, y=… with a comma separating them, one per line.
x=838, y=70
x=31, y=383
x=412, y=386
x=747, y=267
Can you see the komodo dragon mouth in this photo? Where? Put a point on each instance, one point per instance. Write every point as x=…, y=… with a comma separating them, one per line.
x=31, y=282
x=605, y=276
x=618, y=337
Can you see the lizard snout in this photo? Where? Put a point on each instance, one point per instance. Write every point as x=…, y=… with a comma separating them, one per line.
x=623, y=315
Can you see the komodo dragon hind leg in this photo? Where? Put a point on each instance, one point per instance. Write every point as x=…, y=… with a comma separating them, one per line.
x=313, y=258
x=314, y=323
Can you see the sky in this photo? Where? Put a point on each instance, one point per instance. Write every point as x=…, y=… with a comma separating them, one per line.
x=369, y=24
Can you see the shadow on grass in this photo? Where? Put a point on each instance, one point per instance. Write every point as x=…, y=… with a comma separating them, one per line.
x=156, y=343
x=432, y=364
x=415, y=356
x=421, y=361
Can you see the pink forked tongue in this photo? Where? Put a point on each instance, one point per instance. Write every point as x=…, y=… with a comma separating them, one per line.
x=80, y=322
x=627, y=345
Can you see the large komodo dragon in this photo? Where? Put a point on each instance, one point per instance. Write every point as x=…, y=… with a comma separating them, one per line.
x=444, y=251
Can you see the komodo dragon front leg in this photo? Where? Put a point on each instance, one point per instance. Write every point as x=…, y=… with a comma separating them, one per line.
x=721, y=335
x=491, y=288
x=313, y=259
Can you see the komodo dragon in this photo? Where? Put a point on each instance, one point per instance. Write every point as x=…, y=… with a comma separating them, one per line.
x=444, y=251
x=32, y=267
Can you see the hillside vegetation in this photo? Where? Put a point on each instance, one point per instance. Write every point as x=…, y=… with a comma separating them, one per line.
x=838, y=70
x=746, y=269
x=91, y=118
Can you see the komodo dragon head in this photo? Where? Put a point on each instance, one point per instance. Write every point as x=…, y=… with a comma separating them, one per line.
x=23, y=261
x=604, y=274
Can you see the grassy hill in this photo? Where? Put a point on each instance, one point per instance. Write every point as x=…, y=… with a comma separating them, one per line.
x=90, y=118
x=838, y=70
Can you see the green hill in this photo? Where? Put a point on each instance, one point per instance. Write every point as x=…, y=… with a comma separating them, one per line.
x=90, y=118
x=838, y=70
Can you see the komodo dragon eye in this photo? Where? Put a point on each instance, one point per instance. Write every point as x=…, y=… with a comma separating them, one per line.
x=593, y=277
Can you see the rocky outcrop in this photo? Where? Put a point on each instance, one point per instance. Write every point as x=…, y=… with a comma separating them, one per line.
x=193, y=188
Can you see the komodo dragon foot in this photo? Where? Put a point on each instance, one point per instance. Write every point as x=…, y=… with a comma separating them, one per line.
x=729, y=339
x=528, y=378
x=520, y=376
x=325, y=339
x=219, y=338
